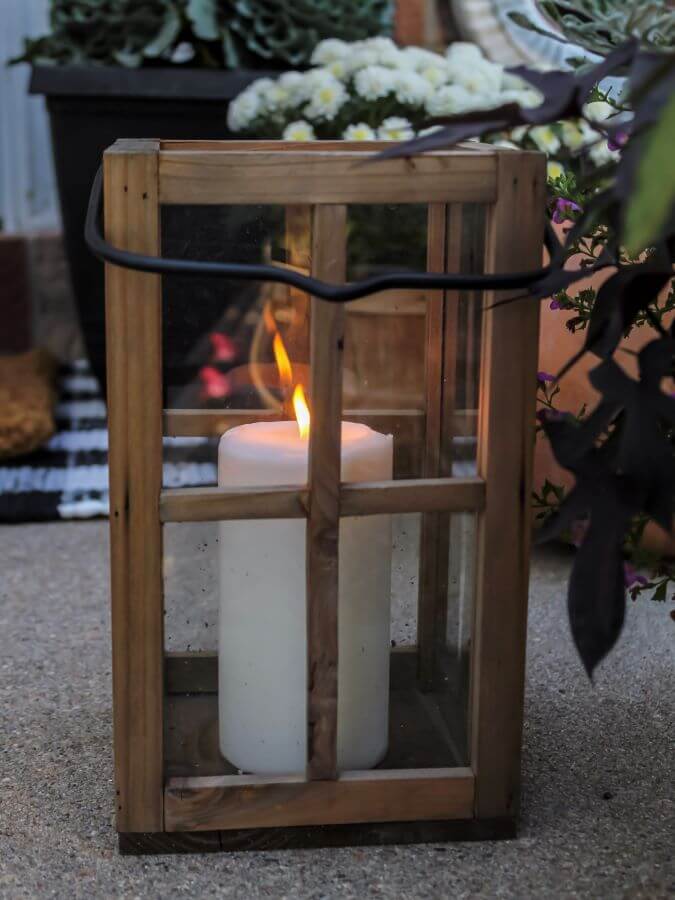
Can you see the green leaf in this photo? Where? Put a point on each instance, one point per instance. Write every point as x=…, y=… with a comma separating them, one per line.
x=204, y=18
x=654, y=194
x=522, y=21
x=166, y=36
x=660, y=593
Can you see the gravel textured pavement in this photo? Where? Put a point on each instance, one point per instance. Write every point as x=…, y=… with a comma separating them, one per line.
x=597, y=813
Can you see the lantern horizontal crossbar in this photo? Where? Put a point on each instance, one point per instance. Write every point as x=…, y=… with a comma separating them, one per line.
x=173, y=791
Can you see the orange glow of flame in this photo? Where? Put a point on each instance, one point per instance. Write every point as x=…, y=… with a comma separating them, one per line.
x=286, y=374
x=283, y=363
x=301, y=410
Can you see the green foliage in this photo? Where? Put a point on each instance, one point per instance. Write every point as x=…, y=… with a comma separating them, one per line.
x=107, y=32
x=218, y=33
x=284, y=31
x=653, y=199
x=601, y=25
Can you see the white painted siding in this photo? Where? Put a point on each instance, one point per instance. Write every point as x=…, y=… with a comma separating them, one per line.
x=27, y=191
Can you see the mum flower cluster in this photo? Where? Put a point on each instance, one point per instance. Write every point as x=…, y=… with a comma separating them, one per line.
x=373, y=90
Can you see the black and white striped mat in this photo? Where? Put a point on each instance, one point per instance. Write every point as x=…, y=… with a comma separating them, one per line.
x=68, y=477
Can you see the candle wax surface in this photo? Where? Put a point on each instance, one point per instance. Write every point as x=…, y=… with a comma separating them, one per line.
x=263, y=615
x=274, y=453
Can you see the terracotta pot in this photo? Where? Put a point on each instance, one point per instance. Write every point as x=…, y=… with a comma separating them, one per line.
x=556, y=345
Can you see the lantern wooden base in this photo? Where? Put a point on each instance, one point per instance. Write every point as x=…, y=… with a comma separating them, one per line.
x=316, y=837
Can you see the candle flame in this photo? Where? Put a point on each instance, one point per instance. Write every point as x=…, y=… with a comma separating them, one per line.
x=286, y=374
x=301, y=410
x=283, y=363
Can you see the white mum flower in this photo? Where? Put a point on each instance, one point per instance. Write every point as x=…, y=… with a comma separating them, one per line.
x=340, y=68
x=327, y=99
x=395, y=128
x=299, y=131
x=411, y=88
x=262, y=85
x=449, y=100
x=519, y=132
x=601, y=154
x=480, y=77
x=374, y=82
x=362, y=56
x=599, y=110
x=385, y=50
x=545, y=138
x=525, y=99
x=419, y=59
x=329, y=50
x=243, y=110
x=511, y=82
x=436, y=75
x=277, y=97
x=464, y=53
x=312, y=81
x=291, y=81
x=554, y=170
x=572, y=136
x=358, y=132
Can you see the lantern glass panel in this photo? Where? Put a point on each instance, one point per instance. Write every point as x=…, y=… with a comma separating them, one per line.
x=426, y=701
x=424, y=718
x=217, y=346
x=412, y=357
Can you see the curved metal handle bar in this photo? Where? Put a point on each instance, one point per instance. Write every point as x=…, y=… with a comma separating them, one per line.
x=335, y=293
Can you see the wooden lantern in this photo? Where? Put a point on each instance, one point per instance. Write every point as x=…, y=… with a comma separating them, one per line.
x=162, y=806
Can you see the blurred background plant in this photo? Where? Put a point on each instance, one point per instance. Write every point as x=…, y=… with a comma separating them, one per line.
x=211, y=33
x=600, y=25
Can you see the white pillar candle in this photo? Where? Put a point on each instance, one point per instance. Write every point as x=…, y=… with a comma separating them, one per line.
x=263, y=629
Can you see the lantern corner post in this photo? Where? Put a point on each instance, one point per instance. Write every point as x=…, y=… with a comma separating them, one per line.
x=506, y=434
x=134, y=372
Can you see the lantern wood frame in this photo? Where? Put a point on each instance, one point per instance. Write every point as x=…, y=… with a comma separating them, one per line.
x=156, y=814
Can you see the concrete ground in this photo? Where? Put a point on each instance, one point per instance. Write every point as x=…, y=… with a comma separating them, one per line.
x=597, y=813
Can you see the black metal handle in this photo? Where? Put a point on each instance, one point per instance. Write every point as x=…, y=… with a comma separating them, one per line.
x=335, y=293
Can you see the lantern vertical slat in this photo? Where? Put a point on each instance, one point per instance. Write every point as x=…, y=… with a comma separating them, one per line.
x=135, y=428
x=429, y=570
x=505, y=447
x=455, y=422
x=298, y=253
x=327, y=326
x=454, y=263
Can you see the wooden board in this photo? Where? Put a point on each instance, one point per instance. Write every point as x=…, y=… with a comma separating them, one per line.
x=133, y=328
x=368, y=498
x=327, y=322
x=224, y=802
x=505, y=446
x=231, y=176
x=428, y=597
x=315, y=837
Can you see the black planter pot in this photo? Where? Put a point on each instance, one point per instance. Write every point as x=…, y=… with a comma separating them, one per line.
x=91, y=107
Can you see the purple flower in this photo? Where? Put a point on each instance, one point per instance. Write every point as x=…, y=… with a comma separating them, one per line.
x=632, y=577
x=564, y=210
x=618, y=140
x=545, y=377
x=555, y=304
